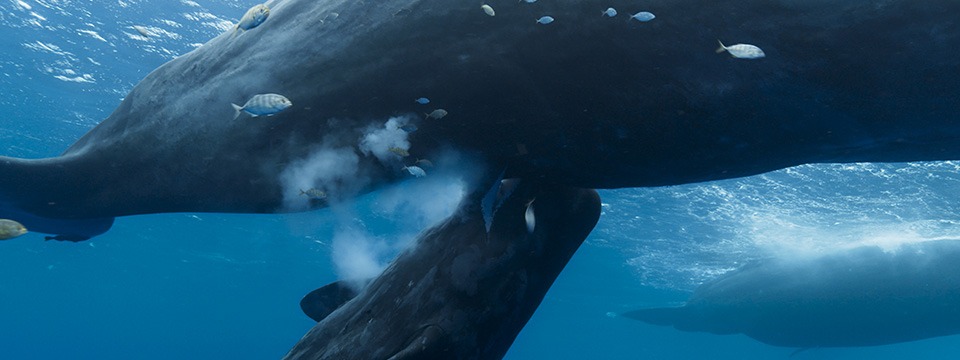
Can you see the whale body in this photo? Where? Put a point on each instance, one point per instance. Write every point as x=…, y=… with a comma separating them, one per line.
x=586, y=101
x=858, y=297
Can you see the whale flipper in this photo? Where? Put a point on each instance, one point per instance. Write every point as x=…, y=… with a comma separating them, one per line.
x=664, y=316
x=325, y=300
x=38, y=193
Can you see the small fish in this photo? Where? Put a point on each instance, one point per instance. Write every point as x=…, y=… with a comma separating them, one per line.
x=487, y=9
x=314, y=194
x=408, y=128
x=10, y=229
x=142, y=30
x=253, y=18
x=422, y=101
x=545, y=20
x=742, y=51
x=530, y=217
x=402, y=12
x=611, y=12
x=330, y=16
x=263, y=104
x=399, y=151
x=416, y=171
x=644, y=16
x=529, y=1
x=424, y=163
x=437, y=114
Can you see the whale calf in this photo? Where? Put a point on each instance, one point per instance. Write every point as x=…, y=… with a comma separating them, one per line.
x=459, y=291
x=587, y=101
x=859, y=297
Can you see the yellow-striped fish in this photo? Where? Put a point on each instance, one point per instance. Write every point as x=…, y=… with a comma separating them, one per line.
x=314, y=194
x=399, y=151
x=424, y=163
x=10, y=229
x=253, y=18
x=263, y=104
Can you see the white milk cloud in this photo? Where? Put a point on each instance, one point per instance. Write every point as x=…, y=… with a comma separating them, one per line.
x=404, y=210
x=357, y=255
x=377, y=140
x=333, y=171
x=400, y=211
x=420, y=203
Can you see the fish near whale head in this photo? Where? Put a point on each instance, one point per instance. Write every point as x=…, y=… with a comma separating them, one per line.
x=459, y=291
x=587, y=101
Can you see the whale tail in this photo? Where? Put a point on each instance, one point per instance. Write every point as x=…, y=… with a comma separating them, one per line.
x=665, y=316
x=35, y=194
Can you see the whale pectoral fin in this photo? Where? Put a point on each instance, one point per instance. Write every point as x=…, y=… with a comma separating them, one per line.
x=658, y=316
x=74, y=230
x=427, y=345
x=325, y=300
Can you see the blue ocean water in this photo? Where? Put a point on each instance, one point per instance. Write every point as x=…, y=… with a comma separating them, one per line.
x=228, y=286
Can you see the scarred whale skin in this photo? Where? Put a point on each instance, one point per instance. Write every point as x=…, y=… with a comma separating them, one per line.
x=458, y=292
x=859, y=297
x=587, y=101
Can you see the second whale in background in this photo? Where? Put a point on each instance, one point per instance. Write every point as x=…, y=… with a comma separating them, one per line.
x=859, y=297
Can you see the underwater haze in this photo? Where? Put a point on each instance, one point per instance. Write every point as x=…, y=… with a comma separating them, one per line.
x=194, y=286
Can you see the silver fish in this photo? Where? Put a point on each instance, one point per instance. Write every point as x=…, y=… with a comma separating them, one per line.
x=487, y=9
x=424, y=163
x=422, y=101
x=742, y=51
x=330, y=16
x=545, y=19
x=263, y=104
x=416, y=171
x=611, y=12
x=644, y=16
x=408, y=128
x=437, y=114
x=142, y=30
